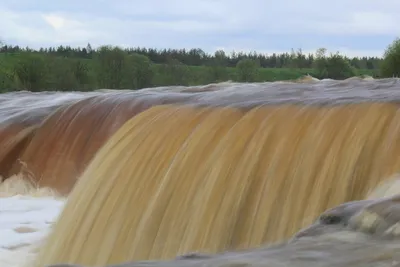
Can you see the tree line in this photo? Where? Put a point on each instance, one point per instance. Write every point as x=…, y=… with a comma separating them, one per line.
x=197, y=57
x=84, y=68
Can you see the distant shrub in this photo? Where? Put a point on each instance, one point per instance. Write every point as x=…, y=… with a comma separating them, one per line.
x=335, y=66
x=390, y=65
x=247, y=70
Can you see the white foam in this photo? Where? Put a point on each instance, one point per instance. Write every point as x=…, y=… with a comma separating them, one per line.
x=24, y=223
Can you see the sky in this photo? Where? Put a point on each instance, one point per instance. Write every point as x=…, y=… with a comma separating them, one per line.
x=354, y=28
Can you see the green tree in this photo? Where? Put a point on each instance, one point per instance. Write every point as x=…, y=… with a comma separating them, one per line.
x=31, y=72
x=68, y=74
x=335, y=66
x=85, y=68
x=111, y=64
x=320, y=63
x=175, y=73
x=81, y=74
x=6, y=77
x=117, y=69
x=217, y=71
x=339, y=67
x=139, y=72
x=6, y=80
x=390, y=65
x=247, y=70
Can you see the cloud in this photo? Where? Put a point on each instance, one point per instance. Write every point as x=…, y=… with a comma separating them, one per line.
x=357, y=27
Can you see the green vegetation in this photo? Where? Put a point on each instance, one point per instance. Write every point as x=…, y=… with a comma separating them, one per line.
x=391, y=62
x=66, y=68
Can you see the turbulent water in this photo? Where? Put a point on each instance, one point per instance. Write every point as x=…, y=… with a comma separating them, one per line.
x=215, y=168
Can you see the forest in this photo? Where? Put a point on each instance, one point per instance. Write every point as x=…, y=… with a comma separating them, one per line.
x=66, y=68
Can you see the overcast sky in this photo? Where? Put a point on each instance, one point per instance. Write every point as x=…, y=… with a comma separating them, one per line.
x=353, y=27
